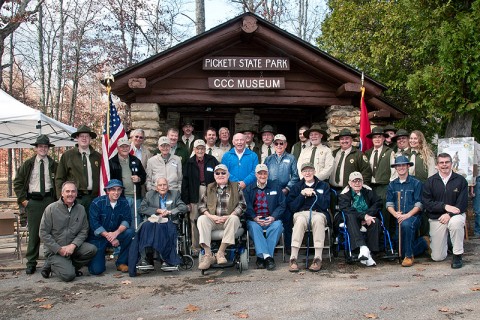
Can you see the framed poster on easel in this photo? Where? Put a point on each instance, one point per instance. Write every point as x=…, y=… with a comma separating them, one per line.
x=462, y=152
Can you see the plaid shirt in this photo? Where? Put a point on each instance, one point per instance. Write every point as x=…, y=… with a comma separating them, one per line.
x=222, y=201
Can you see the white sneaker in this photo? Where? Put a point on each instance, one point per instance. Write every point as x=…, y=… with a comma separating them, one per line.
x=364, y=253
x=370, y=262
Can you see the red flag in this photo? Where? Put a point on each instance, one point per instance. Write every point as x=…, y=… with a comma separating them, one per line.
x=111, y=134
x=365, y=143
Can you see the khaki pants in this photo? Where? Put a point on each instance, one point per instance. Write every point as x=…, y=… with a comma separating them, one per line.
x=439, y=235
x=300, y=226
x=194, y=217
x=206, y=226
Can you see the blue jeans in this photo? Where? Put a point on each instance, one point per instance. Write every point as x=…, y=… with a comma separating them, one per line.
x=476, y=207
x=97, y=265
x=265, y=244
x=411, y=245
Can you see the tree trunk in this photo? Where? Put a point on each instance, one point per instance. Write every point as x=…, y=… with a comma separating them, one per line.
x=460, y=125
x=41, y=61
x=59, y=88
x=200, y=16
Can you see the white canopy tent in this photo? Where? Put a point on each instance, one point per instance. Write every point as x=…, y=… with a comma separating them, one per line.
x=20, y=125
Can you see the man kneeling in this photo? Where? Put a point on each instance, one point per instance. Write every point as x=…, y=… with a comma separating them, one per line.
x=360, y=206
x=265, y=208
x=310, y=193
x=220, y=209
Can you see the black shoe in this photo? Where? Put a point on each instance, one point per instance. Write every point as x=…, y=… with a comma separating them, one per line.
x=46, y=272
x=260, y=263
x=270, y=263
x=30, y=270
x=457, y=262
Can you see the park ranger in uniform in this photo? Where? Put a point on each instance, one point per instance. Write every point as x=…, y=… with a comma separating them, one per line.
x=35, y=190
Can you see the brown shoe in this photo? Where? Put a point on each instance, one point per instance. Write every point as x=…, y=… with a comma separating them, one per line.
x=221, y=257
x=122, y=267
x=206, y=261
x=407, y=262
x=316, y=265
x=293, y=265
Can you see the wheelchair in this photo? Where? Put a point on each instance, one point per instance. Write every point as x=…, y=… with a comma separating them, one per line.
x=343, y=240
x=236, y=254
x=182, y=248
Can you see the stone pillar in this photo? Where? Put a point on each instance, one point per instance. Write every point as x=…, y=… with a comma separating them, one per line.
x=340, y=117
x=146, y=116
x=246, y=119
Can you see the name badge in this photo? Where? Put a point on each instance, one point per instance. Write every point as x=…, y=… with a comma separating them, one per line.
x=174, y=164
x=273, y=193
x=286, y=160
x=320, y=191
x=209, y=169
x=169, y=202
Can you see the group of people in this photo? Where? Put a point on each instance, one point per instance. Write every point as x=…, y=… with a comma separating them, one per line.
x=216, y=182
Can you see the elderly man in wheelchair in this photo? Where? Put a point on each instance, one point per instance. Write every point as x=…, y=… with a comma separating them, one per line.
x=359, y=211
x=157, y=236
x=221, y=207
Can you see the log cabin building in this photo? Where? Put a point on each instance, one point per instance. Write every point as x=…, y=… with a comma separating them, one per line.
x=246, y=73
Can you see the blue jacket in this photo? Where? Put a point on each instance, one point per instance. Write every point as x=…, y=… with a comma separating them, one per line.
x=275, y=200
x=243, y=169
x=410, y=194
x=103, y=218
x=298, y=202
x=282, y=169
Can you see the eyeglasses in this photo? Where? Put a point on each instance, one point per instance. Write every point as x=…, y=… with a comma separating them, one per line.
x=139, y=137
x=443, y=162
x=357, y=181
x=308, y=171
x=217, y=173
x=278, y=143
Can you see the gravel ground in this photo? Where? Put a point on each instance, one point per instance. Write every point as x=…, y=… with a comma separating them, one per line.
x=427, y=290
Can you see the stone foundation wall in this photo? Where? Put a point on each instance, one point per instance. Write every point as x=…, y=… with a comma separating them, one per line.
x=340, y=117
x=246, y=120
x=146, y=116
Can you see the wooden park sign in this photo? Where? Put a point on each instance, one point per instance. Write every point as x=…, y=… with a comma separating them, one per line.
x=246, y=63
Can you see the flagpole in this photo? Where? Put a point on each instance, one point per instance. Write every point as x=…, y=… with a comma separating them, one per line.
x=108, y=78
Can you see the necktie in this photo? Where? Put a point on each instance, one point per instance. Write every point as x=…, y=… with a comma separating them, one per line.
x=85, y=169
x=269, y=149
x=210, y=151
x=42, y=177
x=312, y=157
x=375, y=162
x=339, y=165
x=186, y=142
x=303, y=146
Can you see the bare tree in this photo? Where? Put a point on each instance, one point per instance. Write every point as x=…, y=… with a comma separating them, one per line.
x=200, y=16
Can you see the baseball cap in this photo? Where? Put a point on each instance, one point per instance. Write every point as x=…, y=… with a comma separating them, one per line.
x=355, y=175
x=261, y=167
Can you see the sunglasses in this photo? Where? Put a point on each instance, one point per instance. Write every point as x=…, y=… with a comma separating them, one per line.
x=217, y=173
x=139, y=137
x=278, y=143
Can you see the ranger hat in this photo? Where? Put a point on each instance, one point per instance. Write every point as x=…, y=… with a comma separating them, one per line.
x=400, y=133
x=248, y=130
x=377, y=130
x=267, y=128
x=345, y=133
x=401, y=160
x=114, y=183
x=315, y=128
x=84, y=129
x=42, y=139
x=389, y=127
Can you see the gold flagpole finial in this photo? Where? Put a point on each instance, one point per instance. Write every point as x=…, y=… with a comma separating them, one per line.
x=109, y=79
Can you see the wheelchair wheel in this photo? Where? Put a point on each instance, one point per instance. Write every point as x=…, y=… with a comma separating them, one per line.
x=244, y=260
x=187, y=262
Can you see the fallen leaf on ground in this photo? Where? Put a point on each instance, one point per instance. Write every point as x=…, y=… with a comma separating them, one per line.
x=371, y=316
x=21, y=306
x=126, y=282
x=46, y=306
x=241, y=314
x=118, y=275
x=395, y=285
x=362, y=289
x=475, y=289
x=418, y=275
x=434, y=290
x=124, y=297
x=386, y=308
x=233, y=292
x=98, y=306
x=39, y=299
x=444, y=309
x=210, y=281
x=353, y=276
x=192, y=308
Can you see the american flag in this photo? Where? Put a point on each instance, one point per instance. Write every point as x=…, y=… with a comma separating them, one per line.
x=110, y=137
